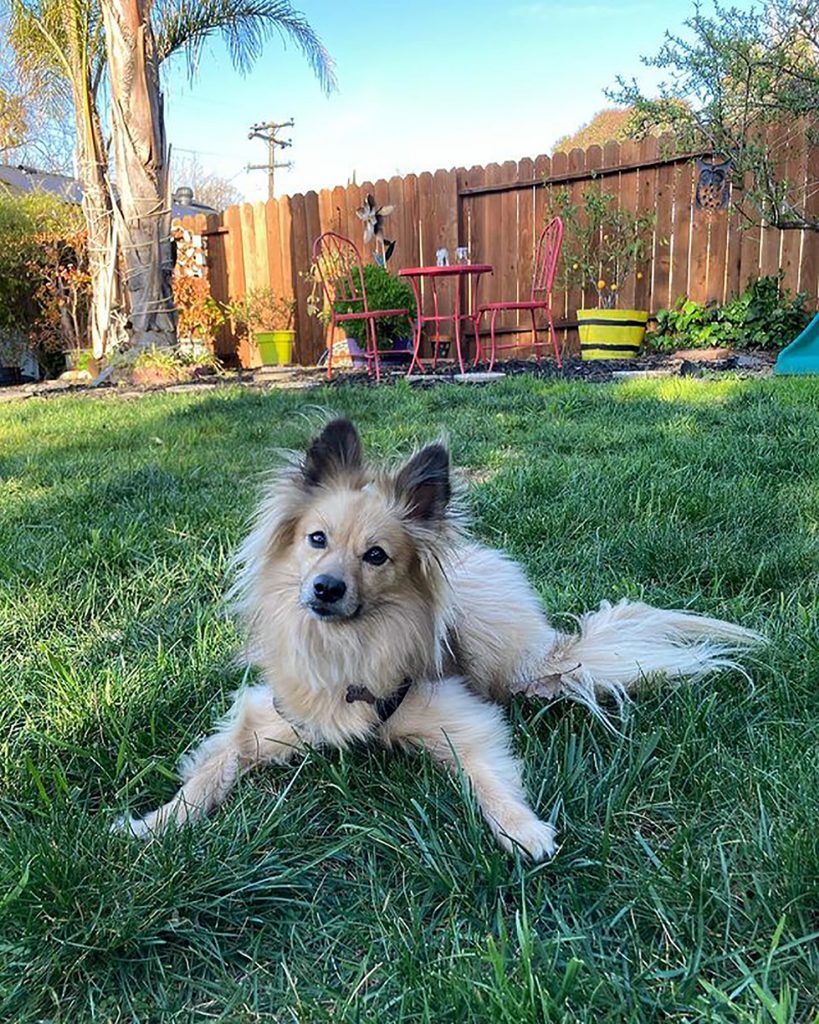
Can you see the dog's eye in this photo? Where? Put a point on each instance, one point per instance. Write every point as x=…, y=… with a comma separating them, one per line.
x=317, y=540
x=375, y=556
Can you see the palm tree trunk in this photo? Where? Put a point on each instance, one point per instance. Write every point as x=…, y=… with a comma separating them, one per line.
x=96, y=205
x=141, y=159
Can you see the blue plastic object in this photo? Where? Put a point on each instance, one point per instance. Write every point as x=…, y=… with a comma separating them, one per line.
x=802, y=355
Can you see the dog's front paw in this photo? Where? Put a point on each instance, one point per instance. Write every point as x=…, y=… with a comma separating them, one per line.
x=535, y=837
x=136, y=828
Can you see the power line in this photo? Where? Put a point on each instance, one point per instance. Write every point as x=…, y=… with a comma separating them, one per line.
x=267, y=131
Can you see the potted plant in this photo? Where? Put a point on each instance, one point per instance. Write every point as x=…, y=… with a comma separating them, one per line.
x=603, y=245
x=393, y=334
x=269, y=318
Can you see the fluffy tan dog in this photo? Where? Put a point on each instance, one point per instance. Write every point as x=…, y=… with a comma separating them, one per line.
x=373, y=617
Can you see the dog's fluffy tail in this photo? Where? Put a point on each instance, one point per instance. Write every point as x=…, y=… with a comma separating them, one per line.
x=620, y=645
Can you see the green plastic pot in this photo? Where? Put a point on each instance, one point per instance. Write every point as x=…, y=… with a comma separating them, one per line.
x=276, y=347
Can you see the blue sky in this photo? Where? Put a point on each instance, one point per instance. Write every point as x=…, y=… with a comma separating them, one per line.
x=422, y=85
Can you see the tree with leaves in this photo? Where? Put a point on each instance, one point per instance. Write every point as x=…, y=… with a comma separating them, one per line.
x=64, y=46
x=610, y=125
x=743, y=85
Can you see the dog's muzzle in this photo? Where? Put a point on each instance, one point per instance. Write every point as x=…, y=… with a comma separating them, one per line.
x=326, y=599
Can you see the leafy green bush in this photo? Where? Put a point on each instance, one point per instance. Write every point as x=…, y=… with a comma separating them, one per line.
x=43, y=287
x=383, y=292
x=764, y=316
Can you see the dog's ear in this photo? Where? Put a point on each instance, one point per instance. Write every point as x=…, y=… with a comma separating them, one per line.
x=424, y=484
x=336, y=450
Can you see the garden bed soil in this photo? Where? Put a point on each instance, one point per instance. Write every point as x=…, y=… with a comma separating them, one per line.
x=690, y=363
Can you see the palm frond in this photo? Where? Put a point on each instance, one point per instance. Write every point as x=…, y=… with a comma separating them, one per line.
x=55, y=44
x=245, y=25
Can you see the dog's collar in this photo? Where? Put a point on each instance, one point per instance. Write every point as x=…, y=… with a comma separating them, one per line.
x=385, y=707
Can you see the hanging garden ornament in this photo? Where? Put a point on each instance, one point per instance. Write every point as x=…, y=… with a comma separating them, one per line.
x=713, y=185
x=373, y=217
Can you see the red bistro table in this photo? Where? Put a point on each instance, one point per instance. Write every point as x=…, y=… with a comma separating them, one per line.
x=460, y=272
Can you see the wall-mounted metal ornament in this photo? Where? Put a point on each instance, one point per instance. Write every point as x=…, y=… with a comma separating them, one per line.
x=713, y=185
x=373, y=217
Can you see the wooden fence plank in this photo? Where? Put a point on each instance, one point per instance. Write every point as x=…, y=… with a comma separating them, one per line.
x=247, y=237
x=661, y=297
x=298, y=247
x=681, y=242
x=796, y=168
x=339, y=224
x=560, y=165
x=411, y=256
x=527, y=232
x=260, y=252
x=733, y=254
x=506, y=269
x=629, y=200
x=326, y=213
x=216, y=239
x=396, y=223
x=355, y=227
x=234, y=264
x=750, y=249
x=274, y=250
x=471, y=210
x=577, y=295
x=489, y=207
x=809, y=272
x=646, y=200
x=543, y=167
x=426, y=228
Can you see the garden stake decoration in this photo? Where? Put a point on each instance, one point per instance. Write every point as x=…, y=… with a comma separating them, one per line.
x=713, y=185
x=373, y=217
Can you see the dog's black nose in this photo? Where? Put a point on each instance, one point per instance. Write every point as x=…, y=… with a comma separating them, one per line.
x=329, y=589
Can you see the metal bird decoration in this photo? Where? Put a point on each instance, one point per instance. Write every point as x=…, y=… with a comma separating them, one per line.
x=713, y=185
x=373, y=217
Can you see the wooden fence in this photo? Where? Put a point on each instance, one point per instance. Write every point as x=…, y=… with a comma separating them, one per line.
x=498, y=211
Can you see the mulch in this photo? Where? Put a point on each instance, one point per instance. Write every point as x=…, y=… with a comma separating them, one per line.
x=697, y=362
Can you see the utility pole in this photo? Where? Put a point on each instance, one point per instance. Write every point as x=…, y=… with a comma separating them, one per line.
x=267, y=130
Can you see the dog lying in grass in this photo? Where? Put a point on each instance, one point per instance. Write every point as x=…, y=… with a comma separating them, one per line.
x=373, y=616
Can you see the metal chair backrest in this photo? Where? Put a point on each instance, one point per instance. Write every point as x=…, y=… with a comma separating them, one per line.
x=340, y=270
x=546, y=257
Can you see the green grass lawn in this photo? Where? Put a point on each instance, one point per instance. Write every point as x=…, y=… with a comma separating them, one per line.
x=363, y=886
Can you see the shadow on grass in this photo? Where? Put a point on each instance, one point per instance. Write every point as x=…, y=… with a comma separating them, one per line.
x=685, y=842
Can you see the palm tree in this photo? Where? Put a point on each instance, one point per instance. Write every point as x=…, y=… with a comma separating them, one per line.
x=139, y=35
x=80, y=46
x=58, y=46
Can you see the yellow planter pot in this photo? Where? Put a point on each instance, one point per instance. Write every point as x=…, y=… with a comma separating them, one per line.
x=611, y=333
x=275, y=347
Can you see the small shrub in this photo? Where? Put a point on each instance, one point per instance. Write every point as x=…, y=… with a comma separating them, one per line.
x=62, y=296
x=764, y=316
x=603, y=243
x=45, y=287
x=261, y=309
x=155, y=365
x=383, y=292
x=200, y=315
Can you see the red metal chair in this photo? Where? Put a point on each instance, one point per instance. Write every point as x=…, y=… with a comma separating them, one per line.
x=341, y=273
x=546, y=257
